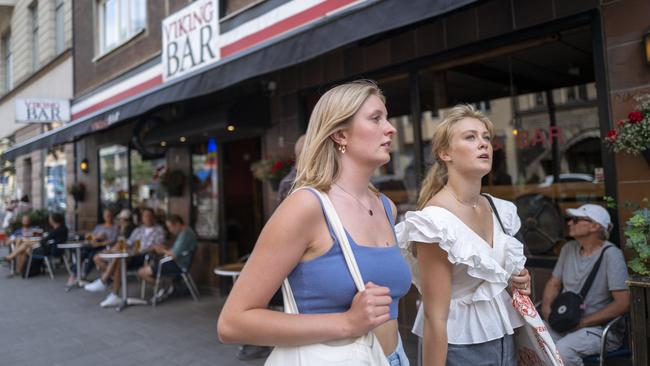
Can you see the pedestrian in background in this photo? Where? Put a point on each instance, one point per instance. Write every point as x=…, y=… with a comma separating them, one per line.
x=347, y=139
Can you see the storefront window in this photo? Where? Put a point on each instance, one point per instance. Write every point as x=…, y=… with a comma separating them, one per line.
x=145, y=183
x=113, y=177
x=205, y=197
x=55, y=171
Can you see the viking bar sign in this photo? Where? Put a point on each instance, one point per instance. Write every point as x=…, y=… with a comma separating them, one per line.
x=42, y=110
x=189, y=38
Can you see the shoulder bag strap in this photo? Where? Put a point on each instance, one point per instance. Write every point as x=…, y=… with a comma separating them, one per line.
x=290, y=305
x=496, y=213
x=337, y=226
x=592, y=274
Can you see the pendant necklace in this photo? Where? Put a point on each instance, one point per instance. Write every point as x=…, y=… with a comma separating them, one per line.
x=358, y=200
x=468, y=204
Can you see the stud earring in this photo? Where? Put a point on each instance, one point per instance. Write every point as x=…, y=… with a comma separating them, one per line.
x=342, y=148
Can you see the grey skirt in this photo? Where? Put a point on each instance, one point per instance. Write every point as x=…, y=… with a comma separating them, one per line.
x=498, y=352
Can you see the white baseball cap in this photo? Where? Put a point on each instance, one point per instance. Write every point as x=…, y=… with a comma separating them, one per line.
x=593, y=212
x=124, y=214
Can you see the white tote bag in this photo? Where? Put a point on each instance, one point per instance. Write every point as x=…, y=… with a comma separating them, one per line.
x=533, y=342
x=364, y=350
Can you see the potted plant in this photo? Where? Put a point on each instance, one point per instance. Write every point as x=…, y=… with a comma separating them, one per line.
x=78, y=191
x=632, y=135
x=173, y=181
x=272, y=170
x=637, y=238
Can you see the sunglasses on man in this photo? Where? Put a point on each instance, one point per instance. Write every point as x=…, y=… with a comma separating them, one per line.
x=576, y=219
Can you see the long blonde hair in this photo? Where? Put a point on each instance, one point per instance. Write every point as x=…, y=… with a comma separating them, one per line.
x=436, y=177
x=318, y=165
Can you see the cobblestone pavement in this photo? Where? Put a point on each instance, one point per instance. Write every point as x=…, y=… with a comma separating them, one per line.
x=41, y=324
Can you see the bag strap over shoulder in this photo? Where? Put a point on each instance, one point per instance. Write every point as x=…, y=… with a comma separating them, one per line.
x=290, y=305
x=592, y=274
x=496, y=213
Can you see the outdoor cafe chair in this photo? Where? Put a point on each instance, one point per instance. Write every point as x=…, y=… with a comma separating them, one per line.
x=622, y=352
x=184, y=274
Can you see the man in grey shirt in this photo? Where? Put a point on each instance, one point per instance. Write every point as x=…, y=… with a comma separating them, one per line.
x=608, y=296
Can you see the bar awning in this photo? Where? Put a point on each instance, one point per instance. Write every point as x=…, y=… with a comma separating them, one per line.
x=359, y=22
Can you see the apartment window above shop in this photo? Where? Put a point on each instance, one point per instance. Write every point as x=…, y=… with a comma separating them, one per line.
x=7, y=58
x=59, y=27
x=230, y=7
x=33, y=15
x=119, y=21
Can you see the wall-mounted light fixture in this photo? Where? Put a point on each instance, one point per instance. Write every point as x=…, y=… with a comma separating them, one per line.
x=231, y=128
x=646, y=46
x=84, y=166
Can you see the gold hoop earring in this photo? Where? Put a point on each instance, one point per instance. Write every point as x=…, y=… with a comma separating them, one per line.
x=342, y=148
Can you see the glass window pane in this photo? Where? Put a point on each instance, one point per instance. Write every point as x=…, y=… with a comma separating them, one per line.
x=113, y=177
x=123, y=9
x=110, y=31
x=138, y=15
x=59, y=24
x=205, y=198
x=145, y=183
x=55, y=172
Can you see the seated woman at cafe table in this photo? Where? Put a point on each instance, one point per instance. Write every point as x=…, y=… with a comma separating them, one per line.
x=125, y=227
x=145, y=236
x=25, y=230
x=58, y=235
x=104, y=234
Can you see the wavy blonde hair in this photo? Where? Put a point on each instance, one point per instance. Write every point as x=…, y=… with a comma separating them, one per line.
x=318, y=165
x=436, y=177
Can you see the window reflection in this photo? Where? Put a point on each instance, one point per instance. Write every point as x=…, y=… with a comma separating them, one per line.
x=145, y=183
x=55, y=172
x=113, y=177
x=205, y=198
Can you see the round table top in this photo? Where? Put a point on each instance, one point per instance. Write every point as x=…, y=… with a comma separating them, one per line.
x=114, y=255
x=71, y=245
x=231, y=269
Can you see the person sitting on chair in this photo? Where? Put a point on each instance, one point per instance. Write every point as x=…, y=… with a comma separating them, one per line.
x=58, y=235
x=608, y=296
x=148, y=235
x=181, y=252
x=104, y=234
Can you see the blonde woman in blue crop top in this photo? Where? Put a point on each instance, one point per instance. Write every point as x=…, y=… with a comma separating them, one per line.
x=466, y=262
x=347, y=139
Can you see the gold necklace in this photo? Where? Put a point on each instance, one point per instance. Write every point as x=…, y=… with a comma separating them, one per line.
x=358, y=200
x=468, y=204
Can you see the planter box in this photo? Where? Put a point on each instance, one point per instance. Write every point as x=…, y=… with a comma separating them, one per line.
x=640, y=315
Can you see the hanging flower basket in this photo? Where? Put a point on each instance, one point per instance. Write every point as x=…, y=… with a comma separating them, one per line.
x=77, y=191
x=272, y=170
x=632, y=134
x=173, y=182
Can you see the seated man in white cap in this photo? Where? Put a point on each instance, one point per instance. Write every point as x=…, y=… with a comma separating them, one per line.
x=606, y=298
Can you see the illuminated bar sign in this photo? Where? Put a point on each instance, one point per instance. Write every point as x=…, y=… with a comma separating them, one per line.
x=34, y=110
x=189, y=38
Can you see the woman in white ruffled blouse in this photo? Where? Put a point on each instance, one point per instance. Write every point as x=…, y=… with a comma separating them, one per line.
x=465, y=262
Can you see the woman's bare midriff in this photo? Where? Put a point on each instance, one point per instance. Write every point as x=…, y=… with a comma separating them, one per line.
x=387, y=335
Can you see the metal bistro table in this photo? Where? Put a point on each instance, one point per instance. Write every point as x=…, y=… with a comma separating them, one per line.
x=126, y=301
x=230, y=270
x=77, y=247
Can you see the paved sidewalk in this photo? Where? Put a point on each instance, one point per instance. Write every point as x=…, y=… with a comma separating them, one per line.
x=41, y=324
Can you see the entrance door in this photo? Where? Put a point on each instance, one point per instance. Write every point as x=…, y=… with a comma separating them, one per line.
x=242, y=198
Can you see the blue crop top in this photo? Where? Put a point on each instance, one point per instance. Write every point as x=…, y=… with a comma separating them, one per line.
x=324, y=284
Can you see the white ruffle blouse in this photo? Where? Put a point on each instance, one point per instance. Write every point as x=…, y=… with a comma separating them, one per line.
x=481, y=309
